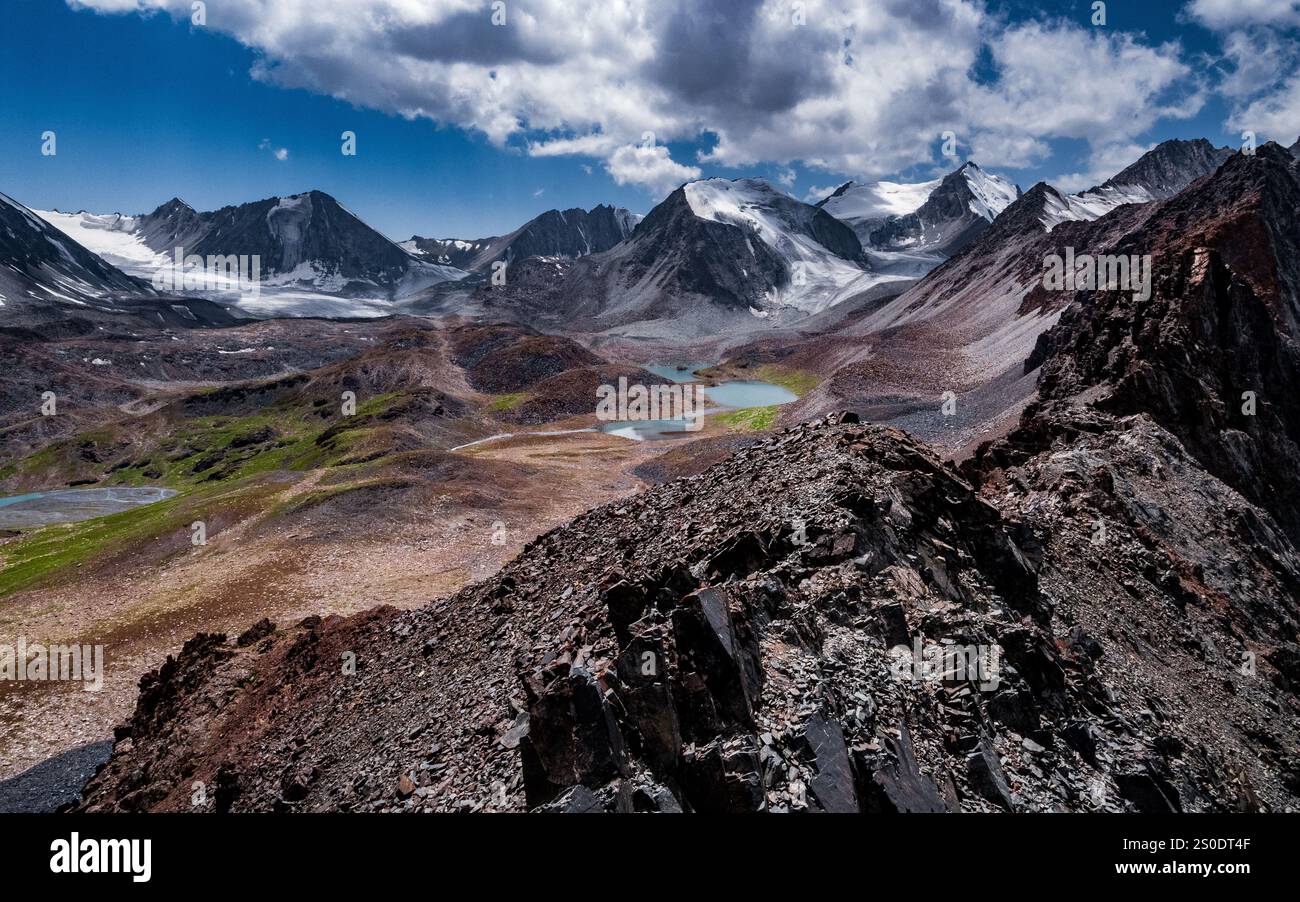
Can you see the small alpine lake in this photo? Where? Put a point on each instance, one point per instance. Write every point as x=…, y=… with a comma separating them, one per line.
x=71, y=505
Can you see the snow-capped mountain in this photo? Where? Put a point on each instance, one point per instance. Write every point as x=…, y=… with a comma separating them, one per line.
x=40, y=263
x=309, y=248
x=755, y=246
x=555, y=233
x=935, y=218
x=715, y=255
x=114, y=237
x=793, y=229
x=1159, y=173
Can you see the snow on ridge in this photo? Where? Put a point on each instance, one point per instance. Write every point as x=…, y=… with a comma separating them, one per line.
x=755, y=203
x=993, y=193
x=1092, y=204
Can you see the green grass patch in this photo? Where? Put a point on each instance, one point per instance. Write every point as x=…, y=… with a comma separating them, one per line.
x=798, y=381
x=42, y=554
x=212, y=461
x=507, y=402
x=751, y=419
x=201, y=450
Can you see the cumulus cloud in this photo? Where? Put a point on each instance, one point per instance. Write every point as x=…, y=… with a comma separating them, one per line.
x=1259, y=65
x=1274, y=115
x=649, y=166
x=837, y=85
x=1225, y=14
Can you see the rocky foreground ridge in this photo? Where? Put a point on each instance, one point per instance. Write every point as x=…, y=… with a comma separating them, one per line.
x=722, y=643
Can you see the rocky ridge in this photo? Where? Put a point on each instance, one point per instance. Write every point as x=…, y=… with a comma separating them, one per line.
x=724, y=643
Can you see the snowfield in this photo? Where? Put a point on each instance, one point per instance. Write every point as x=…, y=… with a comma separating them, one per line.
x=111, y=236
x=879, y=200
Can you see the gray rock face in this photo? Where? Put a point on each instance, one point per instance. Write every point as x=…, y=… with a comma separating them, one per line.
x=310, y=233
x=985, y=773
x=1171, y=166
x=1223, y=320
x=686, y=255
x=172, y=225
x=897, y=786
x=555, y=233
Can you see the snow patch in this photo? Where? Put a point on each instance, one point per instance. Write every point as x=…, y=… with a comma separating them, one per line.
x=879, y=199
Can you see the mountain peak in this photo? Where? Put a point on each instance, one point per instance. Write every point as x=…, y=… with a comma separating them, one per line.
x=1170, y=166
x=172, y=206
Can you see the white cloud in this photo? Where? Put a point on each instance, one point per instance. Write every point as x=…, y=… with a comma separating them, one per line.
x=814, y=194
x=280, y=153
x=858, y=88
x=650, y=167
x=1115, y=90
x=1259, y=63
x=1105, y=161
x=1273, y=116
x=1224, y=14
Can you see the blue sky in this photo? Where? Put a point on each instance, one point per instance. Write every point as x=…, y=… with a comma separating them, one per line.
x=468, y=130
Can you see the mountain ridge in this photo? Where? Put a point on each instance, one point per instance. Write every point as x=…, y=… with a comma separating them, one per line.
x=570, y=233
